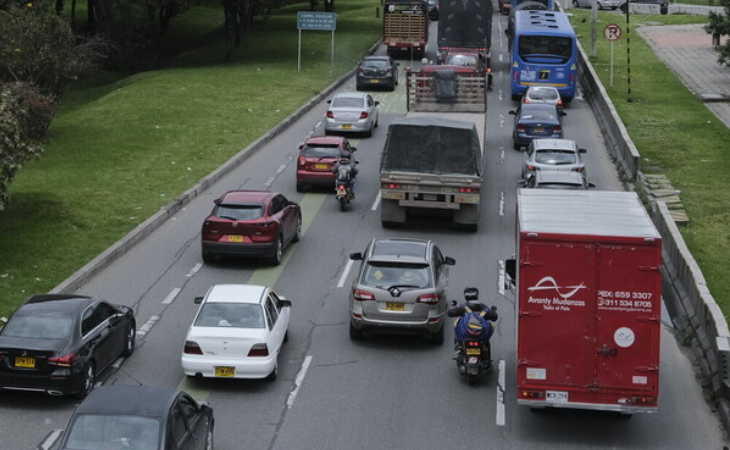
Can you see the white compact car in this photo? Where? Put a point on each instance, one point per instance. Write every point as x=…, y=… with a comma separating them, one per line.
x=238, y=332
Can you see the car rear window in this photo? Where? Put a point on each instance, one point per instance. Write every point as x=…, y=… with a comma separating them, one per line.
x=321, y=151
x=384, y=276
x=556, y=157
x=536, y=114
x=97, y=431
x=37, y=327
x=345, y=102
x=399, y=248
x=236, y=315
x=239, y=212
x=375, y=63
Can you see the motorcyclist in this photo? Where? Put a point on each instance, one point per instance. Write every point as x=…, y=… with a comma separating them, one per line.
x=472, y=303
x=344, y=170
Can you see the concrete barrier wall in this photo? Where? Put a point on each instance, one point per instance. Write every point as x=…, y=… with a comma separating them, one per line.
x=700, y=324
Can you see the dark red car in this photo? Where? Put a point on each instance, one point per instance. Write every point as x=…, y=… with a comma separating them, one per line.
x=316, y=158
x=251, y=223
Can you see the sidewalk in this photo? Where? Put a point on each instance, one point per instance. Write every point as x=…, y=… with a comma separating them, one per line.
x=687, y=50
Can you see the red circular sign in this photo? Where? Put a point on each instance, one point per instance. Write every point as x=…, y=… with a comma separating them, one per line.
x=612, y=32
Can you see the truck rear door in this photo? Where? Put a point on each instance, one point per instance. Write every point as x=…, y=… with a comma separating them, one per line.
x=629, y=313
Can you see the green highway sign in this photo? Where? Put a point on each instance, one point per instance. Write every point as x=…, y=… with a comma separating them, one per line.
x=311, y=20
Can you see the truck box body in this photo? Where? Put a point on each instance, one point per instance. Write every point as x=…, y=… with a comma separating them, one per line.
x=405, y=26
x=589, y=301
x=465, y=24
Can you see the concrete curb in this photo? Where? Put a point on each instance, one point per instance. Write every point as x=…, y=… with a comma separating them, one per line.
x=111, y=254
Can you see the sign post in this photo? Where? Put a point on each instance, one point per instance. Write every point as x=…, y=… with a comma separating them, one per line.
x=318, y=21
x=612, y=32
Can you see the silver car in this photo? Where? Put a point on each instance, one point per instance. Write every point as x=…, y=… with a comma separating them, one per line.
x=550, y=179
x=543, y=94
x=553, y=154
x=355, y=112
x=401, y=286
x=602, y=4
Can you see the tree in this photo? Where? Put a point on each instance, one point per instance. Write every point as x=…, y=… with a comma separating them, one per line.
x=719, y=25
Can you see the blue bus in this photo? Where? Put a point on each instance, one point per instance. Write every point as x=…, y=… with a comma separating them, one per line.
x=544, y=51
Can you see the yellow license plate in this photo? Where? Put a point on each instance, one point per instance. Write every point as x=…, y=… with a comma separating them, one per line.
x=225, y=371
x=235, y=238
x=395, y=307
x=321, y=166
x=22, y=361
x=473, y=351
x=346, y=127
x=538, y=130
x=375, y=81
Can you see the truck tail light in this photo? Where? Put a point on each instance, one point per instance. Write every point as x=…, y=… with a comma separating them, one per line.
x=362, y=296
x=392, y=186
x=429, y=299
x=532, y=395
x=260, y=349
x=468, y=190
x=643, y=401
x=364, y=115
x=192, y=348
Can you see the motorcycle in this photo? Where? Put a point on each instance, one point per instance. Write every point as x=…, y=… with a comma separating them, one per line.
x=343, y=194
x=474, y=357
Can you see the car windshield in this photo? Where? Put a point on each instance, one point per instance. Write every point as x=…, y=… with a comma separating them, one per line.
x=321, y=151
x=37, y=327
x=237, y=315
x=375, y=63
x=239, y=212
x=385, y=276
x=556, y=157
x=347, y=102
x=100, y=431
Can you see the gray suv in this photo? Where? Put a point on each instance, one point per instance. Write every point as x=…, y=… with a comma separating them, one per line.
x=401, y=286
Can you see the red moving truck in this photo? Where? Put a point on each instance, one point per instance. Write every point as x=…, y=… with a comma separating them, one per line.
x=589, y=301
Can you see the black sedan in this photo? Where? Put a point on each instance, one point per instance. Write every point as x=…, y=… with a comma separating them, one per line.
x=59, y=343
x=536, y=120
x=139, y=418
x=377, y=71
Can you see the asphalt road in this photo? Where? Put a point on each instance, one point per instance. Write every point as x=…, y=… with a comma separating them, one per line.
x=387, y=391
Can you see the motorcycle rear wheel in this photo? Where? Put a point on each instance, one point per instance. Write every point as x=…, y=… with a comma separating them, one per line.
x=343, y=203
x=472, y=379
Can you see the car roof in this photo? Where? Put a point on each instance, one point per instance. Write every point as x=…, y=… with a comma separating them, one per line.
x=548, y=144
x=130, y=400
x=55, y=303
x=244, y=197
x=235, y=293
x=394, y=249
x=324, y=140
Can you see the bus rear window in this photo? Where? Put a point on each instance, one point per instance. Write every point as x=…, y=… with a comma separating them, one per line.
x=532, y=48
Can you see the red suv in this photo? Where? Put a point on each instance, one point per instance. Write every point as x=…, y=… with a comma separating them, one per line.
x=316, y=158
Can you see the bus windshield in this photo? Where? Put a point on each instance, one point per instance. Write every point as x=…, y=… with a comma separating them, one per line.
x=537, y=48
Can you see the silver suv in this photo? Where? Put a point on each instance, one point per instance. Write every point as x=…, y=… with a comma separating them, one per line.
x=561, y=155
x=401, y=286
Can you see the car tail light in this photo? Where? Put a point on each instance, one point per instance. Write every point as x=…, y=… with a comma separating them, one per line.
x=263, y=232
x=260, y=349
x=560, y=102
x=429, y=299
x=520, y=128
x=192, y=348
x=558, y=129
x=63, y=361
x=532, y=168
x=302, y=161
x=364, y=115
x=330, y=115
x=579, y=169
x=362, y=296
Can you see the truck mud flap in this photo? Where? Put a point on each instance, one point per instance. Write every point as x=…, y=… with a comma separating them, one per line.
x=467, y=217
x=391, y=214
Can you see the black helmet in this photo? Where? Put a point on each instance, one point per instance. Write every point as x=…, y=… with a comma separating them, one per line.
x=471, y=294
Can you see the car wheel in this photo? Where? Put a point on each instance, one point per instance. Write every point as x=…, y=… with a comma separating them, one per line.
x=209, y=439
x=130, y=341
x=327, y=132
x=89, y=380
x=438, y=337
x=359, y=87
x=298, y=234
x=516, y=146
x=355, y=334
x=300, y=187
x=208, y=257
x=278, y=250
x=274, y=373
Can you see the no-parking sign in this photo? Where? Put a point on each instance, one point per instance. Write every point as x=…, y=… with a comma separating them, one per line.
x=612, y=32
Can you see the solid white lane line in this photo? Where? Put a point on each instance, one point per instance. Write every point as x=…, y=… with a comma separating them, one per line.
x=500, y=416
x=194, y=270
x=376, y=202
x=171, y=296
x=298, y=381
x=345, y=272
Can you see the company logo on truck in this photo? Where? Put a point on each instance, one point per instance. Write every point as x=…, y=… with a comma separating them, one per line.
x=562, y=301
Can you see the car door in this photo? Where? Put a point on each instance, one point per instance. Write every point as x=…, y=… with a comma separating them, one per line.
x=276, y=329
x=288, y=217
x=96, y=344
x=195, y=421
x=284, y=314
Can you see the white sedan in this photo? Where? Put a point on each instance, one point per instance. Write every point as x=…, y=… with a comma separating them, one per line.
x=237, y=333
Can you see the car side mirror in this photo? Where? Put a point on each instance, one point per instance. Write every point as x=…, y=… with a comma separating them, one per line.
x=377, y=103
x=522, y=182
x=329, y=101
x=357, y=161
x=510, y=269
x=453, y=303
x=217, y=201
x=562, y=113
x=353, y=149
x=397, y=64
x=449, y=261
x=356, y=256
x=284, y=302
x=591, y=185
x=582, y=150
x=301, y=146
x=198, y=300
x=512, y=113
